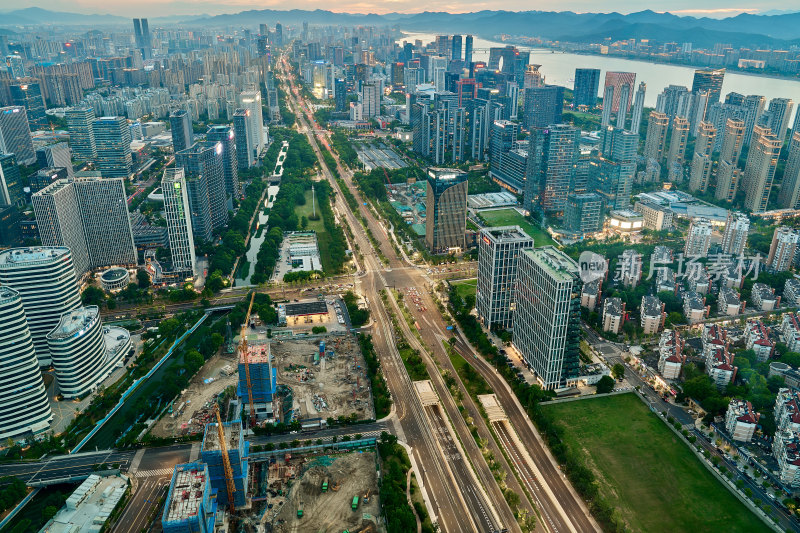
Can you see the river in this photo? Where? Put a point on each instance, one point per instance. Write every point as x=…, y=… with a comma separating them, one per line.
x=559, y=69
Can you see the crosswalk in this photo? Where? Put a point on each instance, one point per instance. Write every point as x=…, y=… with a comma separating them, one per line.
x=154, y=473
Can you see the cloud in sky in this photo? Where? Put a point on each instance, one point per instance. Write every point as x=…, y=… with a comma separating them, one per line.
x=701, y=8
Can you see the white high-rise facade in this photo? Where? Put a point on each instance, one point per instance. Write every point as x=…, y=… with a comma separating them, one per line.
x=44, y=277
x=251, y=101
x=59, y=218
x=24, y=409
x=734, y=238
x=179, y=220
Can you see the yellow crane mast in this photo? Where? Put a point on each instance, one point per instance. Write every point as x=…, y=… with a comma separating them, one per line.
x=226, y=460
x=245, y=359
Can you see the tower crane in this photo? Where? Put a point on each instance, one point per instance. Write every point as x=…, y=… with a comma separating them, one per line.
x=226, y=460
x=245, y=360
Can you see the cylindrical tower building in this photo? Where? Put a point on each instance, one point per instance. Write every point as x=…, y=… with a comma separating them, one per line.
x=45, y=280
x=24, y=408
x=78, y=350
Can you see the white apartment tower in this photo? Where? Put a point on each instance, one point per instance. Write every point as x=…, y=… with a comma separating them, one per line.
x=699, y=238
x=44, y=277
x=25, y=408
x=179, y=220
x=734, y=238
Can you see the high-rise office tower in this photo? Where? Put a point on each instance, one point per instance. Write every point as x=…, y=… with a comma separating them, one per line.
x=547, y=316
x=78, y=349
x=25, y=409
x=141, y=32
x=15, y=134
x=106, y=223
x=782, y=249
x=468, y=50
x=677, y=143
x=371, y=98
x=608, y=96
x=16, y=66
x=700, y=172
x=638, y=107
x=656, y=138
x=27, y=92
x=113, y=141
x=617, y=80
x=456, y=48
x=777, y=116
x=587, y=83
x=58, y=216
x=56, y=155
x=340, y=97
x=583, y=214
x=179, y=221
x=11, y=192
x=498, y=251
x=446, y=210
x=698, y=239
x=181, y=128
x=45, y=280
x=502, y=137
x=531, y=77
x=759, y=171
x=611, y=176
x=734, y=238
x=251, y=101
x=709, y=80
x=543, y=106
x=224, y=135
x=552, y=161
x=278, y=34
x=80, y=122
x=244, y=155
x=206, y=158
x=624, y=104
x=790, y=188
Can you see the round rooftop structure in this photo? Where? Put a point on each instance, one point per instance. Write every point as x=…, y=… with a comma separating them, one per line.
x=115, y=279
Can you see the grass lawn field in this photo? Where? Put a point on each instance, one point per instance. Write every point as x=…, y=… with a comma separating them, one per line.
x=644, y=471
x=509, y=217
x=323, y=239
x=468, y=286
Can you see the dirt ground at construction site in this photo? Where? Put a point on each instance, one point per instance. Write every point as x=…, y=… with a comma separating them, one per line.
x=330, y=386
x=348, y=475
x=192, y=408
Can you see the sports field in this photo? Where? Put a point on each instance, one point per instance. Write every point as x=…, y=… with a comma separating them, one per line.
x=510, y=217
x=645, y=471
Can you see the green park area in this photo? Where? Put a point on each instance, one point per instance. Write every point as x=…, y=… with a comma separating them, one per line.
x=644, y=471
x=465, y=287
x=510, y=217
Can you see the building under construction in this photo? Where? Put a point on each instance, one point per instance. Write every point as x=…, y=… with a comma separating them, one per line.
x=238, y=451
x=191, y=504
x=263, y=380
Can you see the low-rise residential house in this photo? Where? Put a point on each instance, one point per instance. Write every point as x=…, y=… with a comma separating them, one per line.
x=787, y=411
x=786, y=449
x=670, y=356
x=763, y=297
x=613, y=314
x=791, y=377
x=652, y=314
x=741, y=420
x=694, y=307
x=757, y=339
x=590, y=293
x=729, y=303
x=629, y=267
x=698, y=279
x=733, y=277
x=790, y=331
x=714, y=337
x=791, y=291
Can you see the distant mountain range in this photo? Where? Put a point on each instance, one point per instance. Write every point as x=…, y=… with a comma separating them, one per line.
x=769, y=30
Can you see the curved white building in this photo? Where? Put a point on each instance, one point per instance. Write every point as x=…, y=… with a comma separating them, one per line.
x=44, y=277
x=24, y=408
x=78, y=349
x=115, y=279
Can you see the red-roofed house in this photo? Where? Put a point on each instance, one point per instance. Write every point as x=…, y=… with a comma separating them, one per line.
x=670, y=359
x=757, y=339
x=741, y=420
x=790, y=329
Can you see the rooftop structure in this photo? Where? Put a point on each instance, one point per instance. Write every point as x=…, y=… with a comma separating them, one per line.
x=191, y=503
x=652, y=314
x=263, y=378
x=238, y=452
x=757, y=339
x=741, y=420
x=763, y=297
x=89, y=506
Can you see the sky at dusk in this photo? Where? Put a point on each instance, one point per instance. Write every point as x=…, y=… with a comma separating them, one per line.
x=154, y=8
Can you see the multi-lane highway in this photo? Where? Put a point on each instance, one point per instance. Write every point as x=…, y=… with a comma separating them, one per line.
x=414, y=427
x=65, y=466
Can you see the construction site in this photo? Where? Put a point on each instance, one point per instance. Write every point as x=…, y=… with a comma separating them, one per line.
x=331, y=493
x=322, y=377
